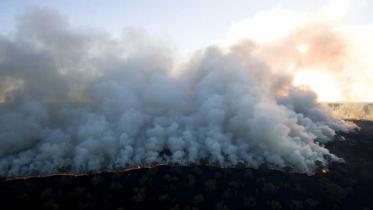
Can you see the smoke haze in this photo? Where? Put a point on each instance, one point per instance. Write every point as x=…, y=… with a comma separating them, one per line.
x=79, y=100
x=319, y=51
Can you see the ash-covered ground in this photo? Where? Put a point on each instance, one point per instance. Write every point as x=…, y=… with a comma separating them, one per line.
x=345, y=186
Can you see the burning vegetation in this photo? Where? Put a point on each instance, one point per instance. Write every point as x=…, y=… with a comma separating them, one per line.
x=346, y=186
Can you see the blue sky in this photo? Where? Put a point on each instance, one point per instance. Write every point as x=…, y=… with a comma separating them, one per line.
x=189, y=24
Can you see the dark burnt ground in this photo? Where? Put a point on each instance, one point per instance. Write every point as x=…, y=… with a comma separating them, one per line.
x=347, y=186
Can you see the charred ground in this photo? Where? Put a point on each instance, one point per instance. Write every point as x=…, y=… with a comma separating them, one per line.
x=348, y=185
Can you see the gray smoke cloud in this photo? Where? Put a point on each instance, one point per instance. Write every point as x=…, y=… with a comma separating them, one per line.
x=79, y=100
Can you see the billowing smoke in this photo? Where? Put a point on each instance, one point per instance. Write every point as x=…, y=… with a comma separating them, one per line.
x=78, y=100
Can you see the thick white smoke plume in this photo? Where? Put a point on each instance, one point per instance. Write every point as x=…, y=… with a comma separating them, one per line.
x=78, y=101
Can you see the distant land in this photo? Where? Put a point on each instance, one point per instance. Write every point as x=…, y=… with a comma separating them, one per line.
x=352, y=110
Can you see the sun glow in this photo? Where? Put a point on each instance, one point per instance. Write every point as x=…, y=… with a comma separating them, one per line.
x=303, y=48
x=322, y=83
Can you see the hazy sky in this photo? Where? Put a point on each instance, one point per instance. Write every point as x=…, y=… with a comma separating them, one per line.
x=190, y=24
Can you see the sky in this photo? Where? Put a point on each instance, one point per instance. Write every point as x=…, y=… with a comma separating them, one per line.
x=189, y=24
